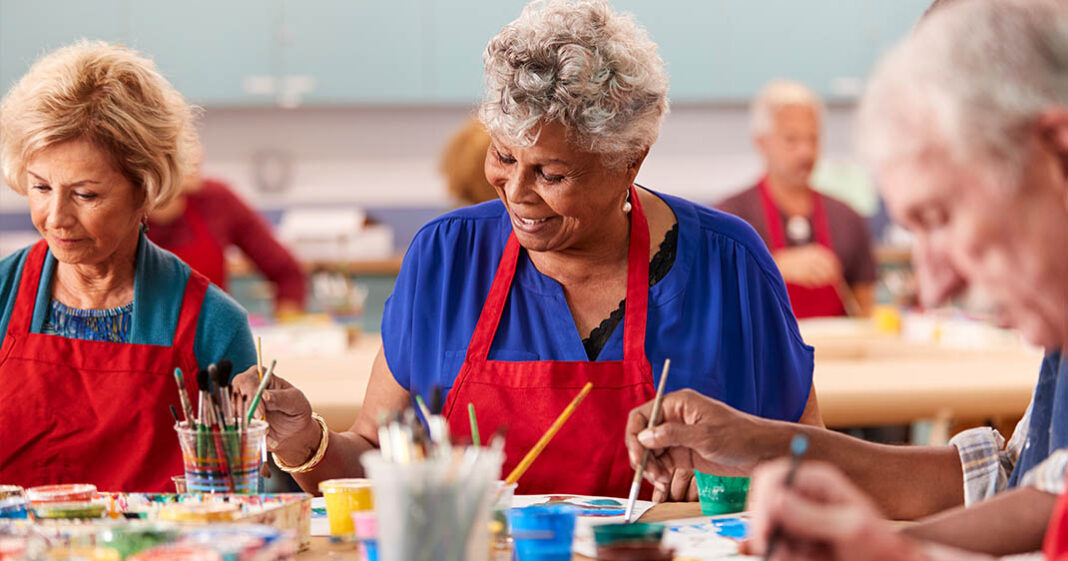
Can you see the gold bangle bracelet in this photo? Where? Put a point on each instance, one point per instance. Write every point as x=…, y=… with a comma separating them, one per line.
x=318, y=457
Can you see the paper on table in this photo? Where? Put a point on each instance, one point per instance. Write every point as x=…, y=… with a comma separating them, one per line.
x=320, y=524
x=707, y=538
x=595, y=510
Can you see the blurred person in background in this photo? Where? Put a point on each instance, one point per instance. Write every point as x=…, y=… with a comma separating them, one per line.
x=206, y=218
x=821, y=245
x=965, y=125
x=463, y=163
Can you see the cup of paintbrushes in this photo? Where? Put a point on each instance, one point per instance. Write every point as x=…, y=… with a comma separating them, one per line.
x=222, y=458
x=436, y=508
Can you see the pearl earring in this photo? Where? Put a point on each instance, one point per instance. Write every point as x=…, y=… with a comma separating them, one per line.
x=626, y=207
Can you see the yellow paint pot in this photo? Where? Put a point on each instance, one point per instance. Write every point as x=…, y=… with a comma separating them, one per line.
x=344, y=497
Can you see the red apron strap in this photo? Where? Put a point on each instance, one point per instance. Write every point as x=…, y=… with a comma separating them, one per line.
x=26, y=301
x=637, y=291
x=637, y=306
x=490, y=317
x=776, y=237
x=186, y=331
x=820, y=225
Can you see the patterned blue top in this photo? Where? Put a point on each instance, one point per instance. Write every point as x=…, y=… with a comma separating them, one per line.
x=159, y=290
x=111, y=325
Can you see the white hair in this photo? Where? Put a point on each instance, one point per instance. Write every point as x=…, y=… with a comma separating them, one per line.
x=776, y=95
x=968, y=83
x=582, y=64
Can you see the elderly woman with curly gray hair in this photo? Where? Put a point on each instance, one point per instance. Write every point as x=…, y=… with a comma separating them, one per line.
x=575, y=275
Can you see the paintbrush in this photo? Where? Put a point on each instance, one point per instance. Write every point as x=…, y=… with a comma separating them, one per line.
x=259, y=358
x=259, y=391
x=654, y=418
x=174, y=413
x=798, y=446
x=183, y=396
x=423, y=408
x=220, y=374
x=549, y=434
x=475, y=440
x=203, y=411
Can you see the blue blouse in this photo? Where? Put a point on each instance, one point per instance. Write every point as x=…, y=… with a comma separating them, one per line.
x=721, y=314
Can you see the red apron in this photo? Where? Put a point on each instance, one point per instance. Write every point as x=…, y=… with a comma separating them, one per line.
x=76, y=411
x=807, y=301
x=201, y=251
x=1055, y=546
x=587, y=456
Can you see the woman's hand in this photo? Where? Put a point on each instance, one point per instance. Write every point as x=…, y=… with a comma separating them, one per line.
x=695, y=432
x=821, y=516
x=293, y=435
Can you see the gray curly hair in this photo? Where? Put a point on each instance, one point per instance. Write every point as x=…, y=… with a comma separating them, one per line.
x=581, y=64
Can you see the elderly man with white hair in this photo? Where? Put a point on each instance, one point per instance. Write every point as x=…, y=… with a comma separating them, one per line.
x=966, y=126
x=820, y=244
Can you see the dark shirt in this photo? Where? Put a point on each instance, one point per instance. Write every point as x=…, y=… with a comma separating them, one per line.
x=658, y=269
x=849, y=232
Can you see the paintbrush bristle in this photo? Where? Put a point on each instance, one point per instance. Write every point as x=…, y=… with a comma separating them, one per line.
x=204, y=380
x=226, y=369
x=221, y=378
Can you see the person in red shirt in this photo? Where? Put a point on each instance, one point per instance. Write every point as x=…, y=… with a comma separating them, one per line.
x=206, y=219
x=821, y=245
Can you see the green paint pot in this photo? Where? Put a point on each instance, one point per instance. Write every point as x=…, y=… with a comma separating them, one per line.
x=720, y=494
x=636, y=533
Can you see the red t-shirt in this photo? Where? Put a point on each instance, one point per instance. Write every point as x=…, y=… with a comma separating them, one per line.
x=231, y=222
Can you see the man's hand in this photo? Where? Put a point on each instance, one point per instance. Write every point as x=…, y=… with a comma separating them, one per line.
x=808, y=265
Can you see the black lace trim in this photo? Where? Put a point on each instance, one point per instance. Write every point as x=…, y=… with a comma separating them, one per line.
x=658, y=269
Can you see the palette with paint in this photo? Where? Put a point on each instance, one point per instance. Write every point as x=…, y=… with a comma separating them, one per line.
x=288, y=513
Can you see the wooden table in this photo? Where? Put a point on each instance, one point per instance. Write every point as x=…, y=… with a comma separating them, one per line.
x=322, y=549
x=860, y=381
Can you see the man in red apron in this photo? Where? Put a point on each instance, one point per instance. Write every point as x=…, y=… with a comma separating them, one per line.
x=822, y=247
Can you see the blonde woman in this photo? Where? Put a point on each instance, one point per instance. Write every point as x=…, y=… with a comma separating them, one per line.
x=94, y=318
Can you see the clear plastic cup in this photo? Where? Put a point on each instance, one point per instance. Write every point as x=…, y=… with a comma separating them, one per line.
x=224, y=461
x=435, y=509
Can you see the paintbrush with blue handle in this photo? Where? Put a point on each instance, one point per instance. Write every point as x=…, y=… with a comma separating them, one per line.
x=798, y=447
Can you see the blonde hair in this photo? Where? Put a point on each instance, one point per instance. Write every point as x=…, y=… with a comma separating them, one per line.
x=111, y=97
x=463, y=165
x=776, y=95
x=582, y=64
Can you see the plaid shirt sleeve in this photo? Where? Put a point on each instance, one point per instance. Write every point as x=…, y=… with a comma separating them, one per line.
x=987, y=461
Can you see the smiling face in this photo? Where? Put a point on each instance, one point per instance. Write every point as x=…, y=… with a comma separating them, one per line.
x=559, y=196
x=1007, y=241
x=85, y=209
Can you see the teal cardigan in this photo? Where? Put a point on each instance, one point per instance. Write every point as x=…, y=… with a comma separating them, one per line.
x=159, y=286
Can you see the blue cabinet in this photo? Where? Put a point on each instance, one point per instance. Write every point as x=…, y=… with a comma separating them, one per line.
x=211, y=51
x=354, y=51
x=315, y=52
x=30, y=29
